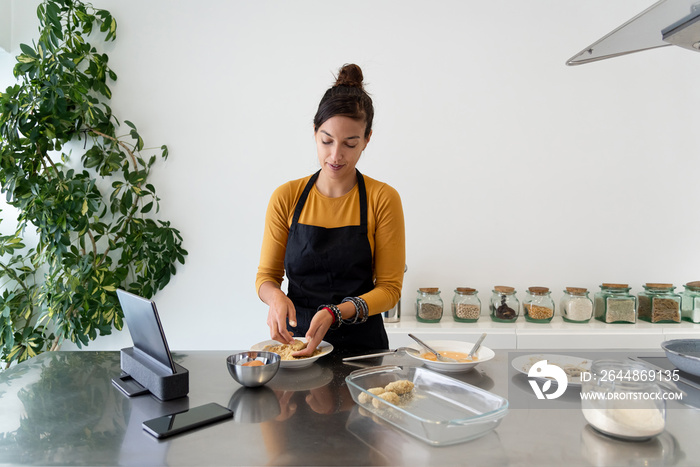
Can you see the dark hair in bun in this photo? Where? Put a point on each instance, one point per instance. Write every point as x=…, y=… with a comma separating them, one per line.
x=346, y=98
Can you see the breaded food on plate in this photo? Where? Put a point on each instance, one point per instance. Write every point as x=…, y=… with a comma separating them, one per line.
x=285, y=351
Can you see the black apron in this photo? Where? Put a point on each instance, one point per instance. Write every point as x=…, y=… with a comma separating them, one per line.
x=325, y=265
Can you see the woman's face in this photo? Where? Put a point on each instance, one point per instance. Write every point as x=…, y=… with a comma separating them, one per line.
x=339, y=143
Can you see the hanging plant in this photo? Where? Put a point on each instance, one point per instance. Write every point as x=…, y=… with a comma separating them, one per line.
x=94, y=215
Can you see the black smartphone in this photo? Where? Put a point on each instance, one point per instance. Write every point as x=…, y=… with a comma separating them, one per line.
x=172, y=424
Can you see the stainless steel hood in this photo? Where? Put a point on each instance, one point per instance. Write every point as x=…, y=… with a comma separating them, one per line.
x=668, y=22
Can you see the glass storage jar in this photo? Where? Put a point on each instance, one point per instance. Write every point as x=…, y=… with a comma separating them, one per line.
x=614, y=304
x=690, y=302
x=429, y=306
x=576, y=306
x=538, y=306
x=504, y=305
x=466, y=306
x=623, y=399
x=659, y=304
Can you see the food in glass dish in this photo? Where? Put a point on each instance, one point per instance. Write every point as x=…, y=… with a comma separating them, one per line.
x=395, y=393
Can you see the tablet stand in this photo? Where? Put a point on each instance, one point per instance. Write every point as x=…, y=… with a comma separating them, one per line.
x=152, y=375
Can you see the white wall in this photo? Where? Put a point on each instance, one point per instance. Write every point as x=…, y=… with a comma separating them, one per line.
x=5, y=25
x=513, y=168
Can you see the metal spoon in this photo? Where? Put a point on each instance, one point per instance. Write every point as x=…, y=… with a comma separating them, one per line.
x=427, y=347
x=380, y=354
x=476, y=346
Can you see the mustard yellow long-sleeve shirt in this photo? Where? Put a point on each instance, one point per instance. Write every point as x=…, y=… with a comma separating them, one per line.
x=385, y=232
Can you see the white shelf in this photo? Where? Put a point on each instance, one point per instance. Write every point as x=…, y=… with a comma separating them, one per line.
x=556, y=334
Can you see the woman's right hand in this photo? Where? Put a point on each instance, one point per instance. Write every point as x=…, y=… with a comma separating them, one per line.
x=281, y=310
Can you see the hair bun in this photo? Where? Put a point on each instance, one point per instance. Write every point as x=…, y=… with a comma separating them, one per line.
x=350, y=75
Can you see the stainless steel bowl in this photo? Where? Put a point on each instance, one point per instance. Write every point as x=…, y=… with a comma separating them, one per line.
x=253, y=376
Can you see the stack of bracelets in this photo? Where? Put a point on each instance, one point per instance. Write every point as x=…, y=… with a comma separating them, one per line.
x=361, y=312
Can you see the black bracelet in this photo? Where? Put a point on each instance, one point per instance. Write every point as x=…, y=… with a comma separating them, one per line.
x=361, y=310
x=358, y=313
x=365, y=310
x=336, y=313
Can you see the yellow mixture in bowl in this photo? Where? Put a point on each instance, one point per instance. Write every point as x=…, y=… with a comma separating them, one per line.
x=285, y=351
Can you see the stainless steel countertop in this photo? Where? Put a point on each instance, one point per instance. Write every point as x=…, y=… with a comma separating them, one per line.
x=61, y=409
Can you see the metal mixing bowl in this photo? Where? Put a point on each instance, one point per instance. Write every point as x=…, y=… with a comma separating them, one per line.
x=252, y=376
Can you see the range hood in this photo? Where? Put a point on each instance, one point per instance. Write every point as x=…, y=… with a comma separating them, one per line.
x=668, y=22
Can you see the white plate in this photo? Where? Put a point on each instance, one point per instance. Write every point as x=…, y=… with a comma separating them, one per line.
x=483, y=354
x=325, y=347
x=525, y=362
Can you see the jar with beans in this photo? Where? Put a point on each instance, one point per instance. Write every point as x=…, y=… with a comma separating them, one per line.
x=429, y=306
x=659, y=304
x=466, y=306
x=614, y=304
x=690, y=302
x=504, y=305
x=538, y=306
x=576, y=306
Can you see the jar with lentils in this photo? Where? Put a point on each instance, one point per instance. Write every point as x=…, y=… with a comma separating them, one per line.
x=504, y=305
x=429, y=306
x=576, y=306
x=659, y=304
x=614, y=304
x=538, y=306
x=690, y=302
x=466, y=306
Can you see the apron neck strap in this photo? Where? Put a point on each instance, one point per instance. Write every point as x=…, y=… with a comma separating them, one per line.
x=312, y=181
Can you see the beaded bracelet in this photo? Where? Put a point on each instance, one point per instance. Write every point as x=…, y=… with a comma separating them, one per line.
x=336, y=312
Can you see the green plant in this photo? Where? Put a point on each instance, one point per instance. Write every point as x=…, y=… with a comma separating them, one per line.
x=95, y=220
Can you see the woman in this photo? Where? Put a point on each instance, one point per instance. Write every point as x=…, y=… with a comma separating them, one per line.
x=338, y=236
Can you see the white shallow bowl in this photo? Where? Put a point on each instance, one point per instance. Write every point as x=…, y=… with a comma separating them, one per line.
x=483, y=354
x=325, y=347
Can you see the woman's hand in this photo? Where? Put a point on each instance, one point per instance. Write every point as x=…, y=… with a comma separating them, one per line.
x=281, y=309
x=318, y=328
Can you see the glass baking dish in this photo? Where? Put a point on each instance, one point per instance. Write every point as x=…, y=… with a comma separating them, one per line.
x=440, y=410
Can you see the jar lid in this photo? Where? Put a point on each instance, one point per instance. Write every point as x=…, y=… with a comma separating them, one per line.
x=655, y=285
x=429, y=289
x=539, y=290
x=577, y=290
x=504, y=289
x=614, y=286
x=467, y=290
x=693, y=285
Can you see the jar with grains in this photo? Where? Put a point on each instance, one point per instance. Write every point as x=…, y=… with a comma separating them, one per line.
x=690, y=302
x=576, y=305
x=623, y=399
x=504, y=305
x=614, y=304
x=466, y=306
x=538, y=306
x=429, y=306
x=659, y=304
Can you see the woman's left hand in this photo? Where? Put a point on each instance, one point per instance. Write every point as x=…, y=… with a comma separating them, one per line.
x=318, y=328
